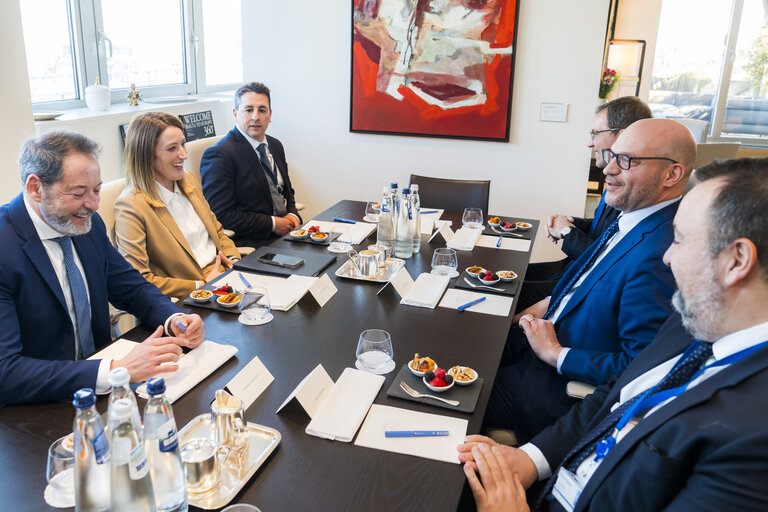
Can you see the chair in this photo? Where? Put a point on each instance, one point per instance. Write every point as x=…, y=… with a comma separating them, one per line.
x=709, y=151
x=195, y=150
x=697, y=127
x=109, y=193
x=452, y=194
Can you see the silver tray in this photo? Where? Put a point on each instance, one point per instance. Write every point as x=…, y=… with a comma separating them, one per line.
x=262, y=441
x=383, y=276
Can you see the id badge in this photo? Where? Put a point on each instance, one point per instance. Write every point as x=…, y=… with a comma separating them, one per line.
x=567, y=489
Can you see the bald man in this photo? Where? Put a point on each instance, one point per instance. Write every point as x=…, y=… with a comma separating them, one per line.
x=612, y=300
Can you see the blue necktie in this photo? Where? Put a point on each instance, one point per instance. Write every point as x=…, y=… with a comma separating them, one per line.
x=79, y=296
x=262, y=151
x=596, y=249
x=685, y=368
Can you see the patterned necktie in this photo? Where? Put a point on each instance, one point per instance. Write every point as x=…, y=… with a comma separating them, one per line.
x=685, y=368
x=79, y=296
x=262, y=151
x=596, y=248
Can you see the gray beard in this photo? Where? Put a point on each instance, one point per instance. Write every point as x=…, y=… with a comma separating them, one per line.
x=700, y=314
x=63, y=223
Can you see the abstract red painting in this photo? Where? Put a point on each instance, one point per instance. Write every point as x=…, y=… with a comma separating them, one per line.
x=437, y=68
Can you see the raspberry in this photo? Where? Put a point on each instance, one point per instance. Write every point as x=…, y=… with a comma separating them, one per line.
x=488, y=278
x=488, y=273
x=437, y=383
x=439, y=373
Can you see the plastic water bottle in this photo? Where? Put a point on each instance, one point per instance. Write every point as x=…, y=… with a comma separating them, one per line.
x=385, y=232
x=119, y=379
x=131, y=484
x=404, y=231
x=416, y=214
x=395, y=199
x=91, y=455
x=162, y=445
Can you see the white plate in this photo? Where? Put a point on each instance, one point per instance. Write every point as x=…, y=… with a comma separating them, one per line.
x=437, y=390
x=47, y=115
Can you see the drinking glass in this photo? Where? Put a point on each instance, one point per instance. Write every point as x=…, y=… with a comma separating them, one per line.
x=60, y=470
x=374, y=351
x=341, y=243
x=445, y=262
x=372, y=210
x=472, y=218
x=254, y=306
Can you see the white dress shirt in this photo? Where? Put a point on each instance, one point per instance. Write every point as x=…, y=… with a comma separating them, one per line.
x=189, y=223
x=721, y=349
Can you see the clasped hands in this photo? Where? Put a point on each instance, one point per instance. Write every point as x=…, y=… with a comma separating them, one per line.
x=555, y=224
x=158, y=354
x=540, y=333
x=287, y=223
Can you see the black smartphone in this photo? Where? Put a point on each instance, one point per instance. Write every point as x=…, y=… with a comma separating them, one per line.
x=281, y=260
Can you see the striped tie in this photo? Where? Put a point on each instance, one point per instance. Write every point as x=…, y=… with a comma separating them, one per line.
x=79, y=294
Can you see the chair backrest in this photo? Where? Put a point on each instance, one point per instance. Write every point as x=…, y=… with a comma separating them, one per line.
x=452, y=194
x=195, y=150
x=697, y=127
x=108, y=196
x=710, y=151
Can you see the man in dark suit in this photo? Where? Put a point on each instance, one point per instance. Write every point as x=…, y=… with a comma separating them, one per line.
x=612, y=300
x=695, y=438
x=578, y=233
x=245, y=176
x=58, y=273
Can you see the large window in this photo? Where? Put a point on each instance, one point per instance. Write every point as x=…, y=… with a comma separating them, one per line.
x=713, y=66
x=158, y=45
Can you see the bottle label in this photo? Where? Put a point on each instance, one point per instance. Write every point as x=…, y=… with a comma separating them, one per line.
x=101, y=448
x=138, y=467
x=121, y=451
x=166, y=433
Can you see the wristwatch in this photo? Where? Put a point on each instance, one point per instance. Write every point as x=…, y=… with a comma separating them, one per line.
x=565, y=231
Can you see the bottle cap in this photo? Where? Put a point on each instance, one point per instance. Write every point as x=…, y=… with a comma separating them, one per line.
x=156, y=386
x=121, y=409
x=393, y=186
x=119, y=377
x=84, y=398
x=406, y=191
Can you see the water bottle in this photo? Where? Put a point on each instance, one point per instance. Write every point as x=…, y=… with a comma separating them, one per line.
x=404, y=231
x=130, y=480
x=119, y=379
x=416, y=214
x=395, y=199
x=385, y=232
x=91, y=455
x=162, y=445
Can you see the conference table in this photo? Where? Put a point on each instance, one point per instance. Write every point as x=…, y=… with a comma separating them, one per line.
x=306, y=472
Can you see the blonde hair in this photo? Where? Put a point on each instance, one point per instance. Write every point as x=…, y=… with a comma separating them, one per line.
x=140, y=143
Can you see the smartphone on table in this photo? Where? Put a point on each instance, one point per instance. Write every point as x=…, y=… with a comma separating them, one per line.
x=281, y=260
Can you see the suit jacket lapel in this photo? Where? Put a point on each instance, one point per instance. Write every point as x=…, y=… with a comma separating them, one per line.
x=203, y=212
x=165, y=217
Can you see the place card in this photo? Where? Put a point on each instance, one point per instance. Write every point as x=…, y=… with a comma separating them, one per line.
x=311, y=391
x=250, y=382
x=323, y=289
x=402, y=282
x=444, y=230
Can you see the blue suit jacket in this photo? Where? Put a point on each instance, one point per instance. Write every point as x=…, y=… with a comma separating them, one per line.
x=707, y=450
x=619, y=307
x=37, y=342
x=235, y=186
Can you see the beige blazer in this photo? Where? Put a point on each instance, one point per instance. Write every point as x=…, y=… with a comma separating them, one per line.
x=151, y=241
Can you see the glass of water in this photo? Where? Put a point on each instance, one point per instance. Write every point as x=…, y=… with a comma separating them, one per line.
x=472, y=218
x=372, y=210
x=341, y=240
x=445, y=262
x=60, y=471
x=374, y=351
x=254, y=306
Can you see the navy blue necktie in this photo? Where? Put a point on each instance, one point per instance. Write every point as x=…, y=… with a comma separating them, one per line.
x=685, y=368
x=79, y=296
x=596, y=248
x=264, y=159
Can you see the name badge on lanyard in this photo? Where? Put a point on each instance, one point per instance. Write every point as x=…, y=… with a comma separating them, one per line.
x=567, y=489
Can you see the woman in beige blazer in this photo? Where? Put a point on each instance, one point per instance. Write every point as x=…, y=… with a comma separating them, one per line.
x=163, y=224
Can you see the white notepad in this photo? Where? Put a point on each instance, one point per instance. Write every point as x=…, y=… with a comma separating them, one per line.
x=509, y=244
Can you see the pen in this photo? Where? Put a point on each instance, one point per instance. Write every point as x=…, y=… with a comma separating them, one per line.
x=498, y=242
x=346, y=221
x=424, y=212
x=470, y=304
x=245, y=281
x=181, y=326
x=416, y=433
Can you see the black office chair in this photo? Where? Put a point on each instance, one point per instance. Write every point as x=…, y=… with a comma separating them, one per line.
x=452, y=194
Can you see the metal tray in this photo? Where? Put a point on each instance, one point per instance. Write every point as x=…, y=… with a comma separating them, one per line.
x=262, y=441
x=383, y=276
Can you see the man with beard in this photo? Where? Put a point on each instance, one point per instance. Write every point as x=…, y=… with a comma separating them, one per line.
x=57, y=275
x=682, y=428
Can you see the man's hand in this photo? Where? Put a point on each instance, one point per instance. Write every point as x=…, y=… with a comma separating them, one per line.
x=536, y=311
x=542, y=338
x=295, y=221
x=555, y=223
x=284, y=224
x=499, y=487
x=195, y=331
x=147, y=358
x=516, y=459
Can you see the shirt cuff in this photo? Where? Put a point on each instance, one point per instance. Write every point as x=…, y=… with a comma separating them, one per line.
x=273, y=224
x=167, y=324
x=561, y=358
x=542, y=466
x=102, y=378
x=294, y=216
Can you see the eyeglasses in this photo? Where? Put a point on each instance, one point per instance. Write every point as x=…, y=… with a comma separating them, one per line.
x=592, y=133
x=625, y=161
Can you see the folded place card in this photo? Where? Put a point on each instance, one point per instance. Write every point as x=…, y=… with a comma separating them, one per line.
x=496, y=305
x=444, y=230
x=250, y=382
x=509, y=244
x=427, y=220
x=323, y=289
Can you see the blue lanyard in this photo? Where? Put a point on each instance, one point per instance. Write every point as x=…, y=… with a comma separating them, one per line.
x=648, y=401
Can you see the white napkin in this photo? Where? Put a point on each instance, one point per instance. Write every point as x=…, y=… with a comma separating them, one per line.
x=426, y=291
x=346, y=405
x=465, y=239
x=352, y=233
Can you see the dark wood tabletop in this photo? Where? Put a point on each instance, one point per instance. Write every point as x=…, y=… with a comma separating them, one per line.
x=306, y=472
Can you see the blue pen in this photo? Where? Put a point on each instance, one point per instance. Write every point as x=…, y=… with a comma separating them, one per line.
x=424, y=212
x=498, y=242
x=346, y=221
x=416, y=433
x=245, y=281
x=181, y=326
x=470, y=304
